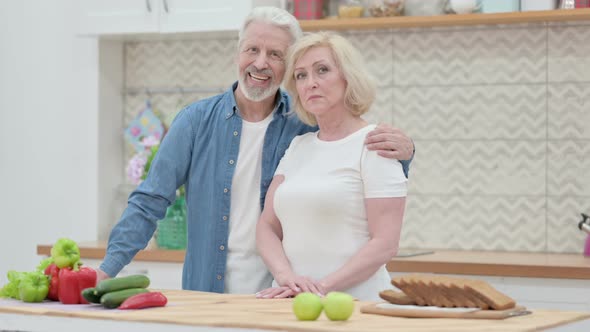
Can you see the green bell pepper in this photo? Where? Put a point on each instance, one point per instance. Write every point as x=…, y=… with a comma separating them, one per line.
x=65, y=253
x=44, y=264
x=33, y=287
x=10, y=290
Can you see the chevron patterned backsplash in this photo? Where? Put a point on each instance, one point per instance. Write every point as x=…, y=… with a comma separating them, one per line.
x=500, y=116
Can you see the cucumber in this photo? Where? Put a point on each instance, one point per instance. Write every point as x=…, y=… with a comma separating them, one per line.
x=89, y=295
x=115, y=284
x=114, y=299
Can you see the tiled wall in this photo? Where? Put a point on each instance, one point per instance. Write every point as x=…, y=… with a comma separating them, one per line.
x=500, y=117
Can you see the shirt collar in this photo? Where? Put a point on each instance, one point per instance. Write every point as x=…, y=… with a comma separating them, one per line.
x=281, y=108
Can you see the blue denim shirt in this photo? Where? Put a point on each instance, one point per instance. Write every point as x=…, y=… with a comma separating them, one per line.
x=200, y=151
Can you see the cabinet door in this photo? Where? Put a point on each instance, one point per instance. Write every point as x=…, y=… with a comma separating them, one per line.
x=190, y=15
x=98, y=17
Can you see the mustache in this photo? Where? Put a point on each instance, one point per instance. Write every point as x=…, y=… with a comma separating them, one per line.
x=254, y=70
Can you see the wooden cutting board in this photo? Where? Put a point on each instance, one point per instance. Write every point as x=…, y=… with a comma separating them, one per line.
x=414, y=311
x=245, y=311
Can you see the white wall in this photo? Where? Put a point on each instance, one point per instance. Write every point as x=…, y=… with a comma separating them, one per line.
x=48, y=131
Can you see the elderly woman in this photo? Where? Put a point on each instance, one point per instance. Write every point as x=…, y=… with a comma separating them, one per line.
x=334, y=210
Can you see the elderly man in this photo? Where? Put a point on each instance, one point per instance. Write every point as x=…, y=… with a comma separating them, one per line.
x=224, y=150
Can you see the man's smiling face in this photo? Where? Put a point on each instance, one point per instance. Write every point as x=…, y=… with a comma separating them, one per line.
x=261, y=60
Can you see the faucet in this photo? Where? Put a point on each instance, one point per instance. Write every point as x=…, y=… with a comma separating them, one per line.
x=584, y=224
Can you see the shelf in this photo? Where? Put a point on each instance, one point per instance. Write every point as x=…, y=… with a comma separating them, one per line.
x=363, y=23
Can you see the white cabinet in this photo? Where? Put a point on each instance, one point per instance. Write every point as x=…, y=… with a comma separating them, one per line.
x=162, y=275
x=190, y=15
x=115, y=17
x=547, y=293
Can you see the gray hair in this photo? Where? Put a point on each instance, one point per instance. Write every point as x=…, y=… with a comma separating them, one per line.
x=275, y=16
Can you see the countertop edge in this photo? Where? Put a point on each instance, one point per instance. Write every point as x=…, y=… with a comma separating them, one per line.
x=485, y=263
x=486, y=269
x=98, y=252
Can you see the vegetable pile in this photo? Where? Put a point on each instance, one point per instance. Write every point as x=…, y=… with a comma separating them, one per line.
x=62, y=277
x=44, y=282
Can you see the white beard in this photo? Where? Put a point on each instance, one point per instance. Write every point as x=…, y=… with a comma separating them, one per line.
x=256, y=93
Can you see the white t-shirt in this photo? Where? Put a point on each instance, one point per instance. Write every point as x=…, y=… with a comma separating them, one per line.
x=321, y=204
x=245, y=270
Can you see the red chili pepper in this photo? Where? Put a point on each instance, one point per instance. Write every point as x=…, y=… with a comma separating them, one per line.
x=53, y=272
x=73, y=281
x=144, y=300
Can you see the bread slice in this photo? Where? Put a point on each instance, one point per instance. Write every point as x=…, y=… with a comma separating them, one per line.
x=458, y=288
x=488, y=294
x=396, y=297
x=455, y=289
x=421, y=288
x=435, y=294
x=449, y=299
x=405, y=286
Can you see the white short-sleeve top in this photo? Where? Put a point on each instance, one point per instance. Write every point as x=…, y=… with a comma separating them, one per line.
x=321, y=204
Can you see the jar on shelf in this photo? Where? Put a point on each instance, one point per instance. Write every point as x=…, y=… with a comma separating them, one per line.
x=495, y=6
x=350, y=8
x=331, y=8
x=385, y=8
x=307, y=9
x=530, y=5
x=424, y=8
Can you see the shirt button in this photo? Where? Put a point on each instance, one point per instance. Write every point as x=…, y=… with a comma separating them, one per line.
x=224, y=218
x=231, y=161
x=221, y=248
x=218, y=277
x=225, y=190
x=235, y=133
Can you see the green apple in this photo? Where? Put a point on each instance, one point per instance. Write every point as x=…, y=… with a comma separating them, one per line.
x=338, y=306
x=307, y=306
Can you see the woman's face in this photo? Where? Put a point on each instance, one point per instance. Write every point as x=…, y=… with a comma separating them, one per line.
x=319, y=82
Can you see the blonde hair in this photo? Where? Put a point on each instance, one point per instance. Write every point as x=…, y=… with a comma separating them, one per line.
x=360, y=88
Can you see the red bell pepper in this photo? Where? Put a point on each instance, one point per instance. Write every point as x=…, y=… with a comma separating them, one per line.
x=144, y=300
x=73, y=281
x=53, y=272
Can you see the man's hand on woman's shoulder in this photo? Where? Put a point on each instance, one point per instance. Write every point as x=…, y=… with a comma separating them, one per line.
x=390, y=142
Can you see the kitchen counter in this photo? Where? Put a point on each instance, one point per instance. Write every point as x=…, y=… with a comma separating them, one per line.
x=495, y=263
x=485, y=263
x=234, y=312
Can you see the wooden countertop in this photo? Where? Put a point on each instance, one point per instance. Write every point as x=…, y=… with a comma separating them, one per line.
x=496, y=263
x=487, y=263
x=244, y=311
x=97, y=250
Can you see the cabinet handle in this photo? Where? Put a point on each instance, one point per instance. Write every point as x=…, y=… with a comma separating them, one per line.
x=166, y=6
x=148, y=5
